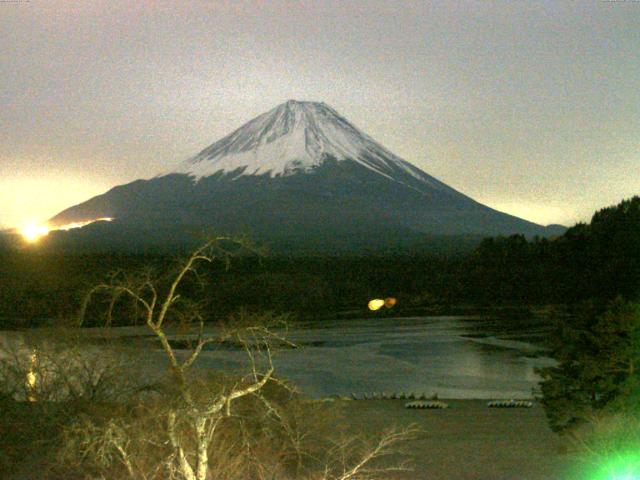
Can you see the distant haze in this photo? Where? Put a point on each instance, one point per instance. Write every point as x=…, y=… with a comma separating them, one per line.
x=528, y=107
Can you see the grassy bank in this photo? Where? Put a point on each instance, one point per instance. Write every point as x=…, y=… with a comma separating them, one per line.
x=468, y=441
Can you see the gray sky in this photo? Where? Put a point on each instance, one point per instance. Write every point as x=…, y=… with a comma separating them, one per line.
x=529, y=107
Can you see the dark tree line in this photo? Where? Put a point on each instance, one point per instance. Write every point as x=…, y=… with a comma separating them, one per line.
x=596, y=261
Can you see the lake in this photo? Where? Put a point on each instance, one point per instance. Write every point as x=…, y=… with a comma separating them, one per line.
x=453, y=357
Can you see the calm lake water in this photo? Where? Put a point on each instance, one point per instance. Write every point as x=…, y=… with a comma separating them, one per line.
x=454, y=357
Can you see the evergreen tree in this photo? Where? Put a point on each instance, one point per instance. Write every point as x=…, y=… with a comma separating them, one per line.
x=598, y=355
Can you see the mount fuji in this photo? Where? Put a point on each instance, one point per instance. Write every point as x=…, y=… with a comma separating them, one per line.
x=297, y=176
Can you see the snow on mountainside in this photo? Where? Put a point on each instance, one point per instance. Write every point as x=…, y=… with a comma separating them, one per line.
x=297, y=137
x=298, y=176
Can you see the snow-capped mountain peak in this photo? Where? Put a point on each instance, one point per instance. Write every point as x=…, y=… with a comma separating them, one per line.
x=295, y=136
x=323, y=184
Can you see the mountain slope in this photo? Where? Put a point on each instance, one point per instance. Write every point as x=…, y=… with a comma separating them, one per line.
x=299, y=171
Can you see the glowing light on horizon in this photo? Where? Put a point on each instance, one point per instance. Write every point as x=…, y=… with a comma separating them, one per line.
x=33, y=232
x=70, y=226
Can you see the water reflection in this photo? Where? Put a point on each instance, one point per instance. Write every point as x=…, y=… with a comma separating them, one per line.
x=453, y=357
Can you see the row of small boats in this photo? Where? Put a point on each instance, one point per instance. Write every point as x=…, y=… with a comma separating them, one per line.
x=437, y=404
x=392, y=396
x=421, y=401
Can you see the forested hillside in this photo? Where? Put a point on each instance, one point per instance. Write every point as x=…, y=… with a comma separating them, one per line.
x=598, y=261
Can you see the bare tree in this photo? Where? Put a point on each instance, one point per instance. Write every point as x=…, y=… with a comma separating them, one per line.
x=202, y=414
x=188, y=411
x=354, y=458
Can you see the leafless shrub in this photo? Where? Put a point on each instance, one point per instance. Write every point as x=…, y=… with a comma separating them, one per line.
x=353, y=457
x=58, y=365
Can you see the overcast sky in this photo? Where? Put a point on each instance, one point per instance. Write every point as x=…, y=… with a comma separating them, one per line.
x=529, y=107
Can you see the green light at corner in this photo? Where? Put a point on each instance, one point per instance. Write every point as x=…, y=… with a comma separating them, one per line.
x=623, y=466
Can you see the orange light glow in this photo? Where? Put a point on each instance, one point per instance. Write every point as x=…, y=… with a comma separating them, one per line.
x=390, y=302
